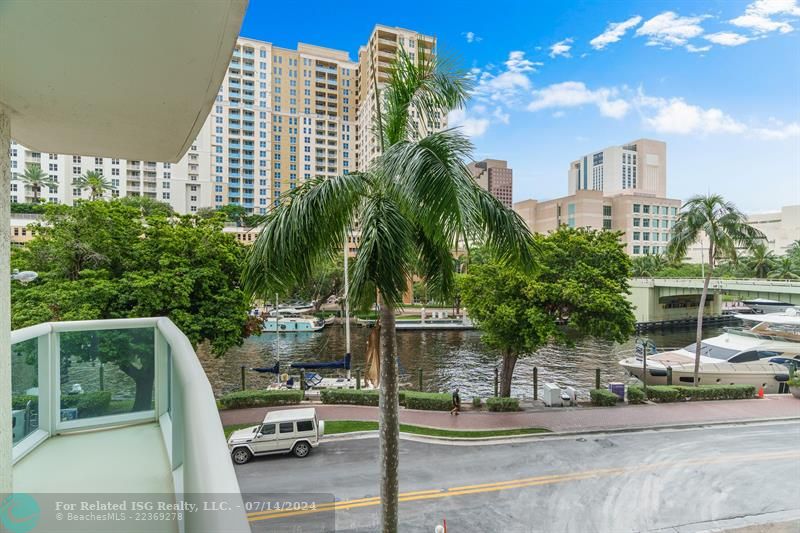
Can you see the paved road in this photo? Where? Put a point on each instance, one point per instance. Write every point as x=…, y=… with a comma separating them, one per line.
x=606, y=483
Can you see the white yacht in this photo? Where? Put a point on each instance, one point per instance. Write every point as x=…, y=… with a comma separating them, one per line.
x=292, y=324
x=763, y=305
x=760, y=355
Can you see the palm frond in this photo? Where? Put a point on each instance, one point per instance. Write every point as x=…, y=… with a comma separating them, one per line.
x=307, y=227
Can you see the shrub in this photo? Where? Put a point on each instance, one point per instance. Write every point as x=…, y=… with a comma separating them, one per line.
x=663, y=393
x=430, y=401
x=21, y=401
x=88, y=404
x=794, y=381
x=635, y=395
x=674, y=393
x=603, y=397
x=260, y=398
x=349, y=396
x=502, y=404
x=355, y=396
x=476, y=402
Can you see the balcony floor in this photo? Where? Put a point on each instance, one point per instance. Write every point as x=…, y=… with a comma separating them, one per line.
x=128, y=459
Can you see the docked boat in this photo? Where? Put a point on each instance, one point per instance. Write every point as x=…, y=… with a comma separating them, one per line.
x=759, y=355
x=763, y=305
x=463, y=323
x=292, y=324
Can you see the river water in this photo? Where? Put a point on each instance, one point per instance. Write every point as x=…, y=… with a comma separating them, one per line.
x=448, y=359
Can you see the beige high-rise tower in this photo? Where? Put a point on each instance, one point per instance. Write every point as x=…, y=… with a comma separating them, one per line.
x=374, y=65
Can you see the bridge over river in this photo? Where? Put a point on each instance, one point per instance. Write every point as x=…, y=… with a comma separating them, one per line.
x=664, y=299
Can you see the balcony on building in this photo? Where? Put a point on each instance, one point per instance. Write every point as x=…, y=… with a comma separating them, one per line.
x=104, y=407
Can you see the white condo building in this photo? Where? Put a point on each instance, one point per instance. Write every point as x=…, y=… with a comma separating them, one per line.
x=638, y=167
x=281, y=117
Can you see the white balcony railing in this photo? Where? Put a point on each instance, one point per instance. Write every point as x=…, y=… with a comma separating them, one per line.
x=68, y=377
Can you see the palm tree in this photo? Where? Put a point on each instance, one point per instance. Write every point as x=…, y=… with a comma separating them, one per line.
x=648, y=266
x=413, y=204
x=761, y=260
x=37, y=178
x=785, y=268
x=95, y=182
x=725, y=229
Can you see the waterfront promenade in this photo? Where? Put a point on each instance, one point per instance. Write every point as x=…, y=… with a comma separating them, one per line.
x=564, y=419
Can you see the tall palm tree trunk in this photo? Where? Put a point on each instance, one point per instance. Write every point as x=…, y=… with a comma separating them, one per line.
x=389, y=422
x=699, y=338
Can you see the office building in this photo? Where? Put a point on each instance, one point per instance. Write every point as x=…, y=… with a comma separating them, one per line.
x=494, y=176
x=281, y=117
x=620, y=188
x=638, y=167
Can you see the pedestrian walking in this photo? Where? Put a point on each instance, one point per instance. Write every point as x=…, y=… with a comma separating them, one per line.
x=456, y=403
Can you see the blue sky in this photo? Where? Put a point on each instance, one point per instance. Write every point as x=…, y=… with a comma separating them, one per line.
x=719, y=81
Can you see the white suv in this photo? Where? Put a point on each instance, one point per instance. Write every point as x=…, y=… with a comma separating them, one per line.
x=288, y=431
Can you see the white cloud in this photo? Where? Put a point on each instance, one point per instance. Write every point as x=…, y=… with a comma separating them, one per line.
x=614, y=32
x=778, y=131
x=670, y=29
x=516, y=62
x=501, y=115
x=470, y=125
x=759, y=16
x=727, y=38
x=471, y=37
x=561, y=48
x=675, y=115
x=575, y=93
x=697, y=49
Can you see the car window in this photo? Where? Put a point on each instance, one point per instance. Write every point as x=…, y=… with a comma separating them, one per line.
x=268, y=429
x=287, y=427
x=305, y=425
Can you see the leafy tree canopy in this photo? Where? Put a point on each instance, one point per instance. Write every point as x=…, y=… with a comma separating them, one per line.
x=578, y=289
x=102, y=260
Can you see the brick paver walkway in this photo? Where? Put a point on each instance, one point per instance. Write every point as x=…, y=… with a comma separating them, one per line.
x=562, y=419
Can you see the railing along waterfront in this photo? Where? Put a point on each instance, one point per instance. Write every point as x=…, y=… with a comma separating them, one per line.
x=137, y=370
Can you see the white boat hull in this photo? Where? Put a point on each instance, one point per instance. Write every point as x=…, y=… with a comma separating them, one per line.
x=292, y=325
x=768, y=376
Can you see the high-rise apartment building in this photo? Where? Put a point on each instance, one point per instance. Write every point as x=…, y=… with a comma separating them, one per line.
x=621, y=188
x=494, y=176
x=374, y=66
x=281, y=117
x=638, y=167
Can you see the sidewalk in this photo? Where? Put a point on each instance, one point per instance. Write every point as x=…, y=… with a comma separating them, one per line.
x=561, y=419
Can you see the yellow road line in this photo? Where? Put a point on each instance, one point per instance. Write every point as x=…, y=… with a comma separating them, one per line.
x=517, y=483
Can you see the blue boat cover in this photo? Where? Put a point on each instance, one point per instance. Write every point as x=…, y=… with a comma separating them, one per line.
x=272, y=370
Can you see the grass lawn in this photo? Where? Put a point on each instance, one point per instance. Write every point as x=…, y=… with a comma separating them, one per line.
x=348, y=426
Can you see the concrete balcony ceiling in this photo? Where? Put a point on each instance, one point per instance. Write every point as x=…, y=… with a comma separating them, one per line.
x=132, y=80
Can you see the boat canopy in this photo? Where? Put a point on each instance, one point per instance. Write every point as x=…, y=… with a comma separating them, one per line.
x=341, y=363
x=276, y=369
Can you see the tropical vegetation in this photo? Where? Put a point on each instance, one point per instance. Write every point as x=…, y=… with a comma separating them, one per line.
x=724, y=230
x=95, y=182
x=411, y=206
x=103, y=260
x=577, y=290
x=37, y=179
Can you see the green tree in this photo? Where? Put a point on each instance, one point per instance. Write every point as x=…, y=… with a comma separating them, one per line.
x=577, y=290
x=102, y=260
x=412, y=205
x=649, y=266
x=147, y=207
x=724, y=229
x=36, y=179
x=760, y=261
x=95, y=182
x=785, y=268
x=327, y=281
x=234, y=213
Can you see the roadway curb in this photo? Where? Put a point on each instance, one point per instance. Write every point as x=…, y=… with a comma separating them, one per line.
x=509, y=439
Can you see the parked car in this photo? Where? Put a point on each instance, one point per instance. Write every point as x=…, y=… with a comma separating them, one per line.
x=295, y=431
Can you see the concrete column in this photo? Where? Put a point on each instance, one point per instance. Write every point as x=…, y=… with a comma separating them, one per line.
x=6, y=441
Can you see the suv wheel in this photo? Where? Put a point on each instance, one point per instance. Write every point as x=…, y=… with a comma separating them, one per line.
x=301, y=449
x=241, y=456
